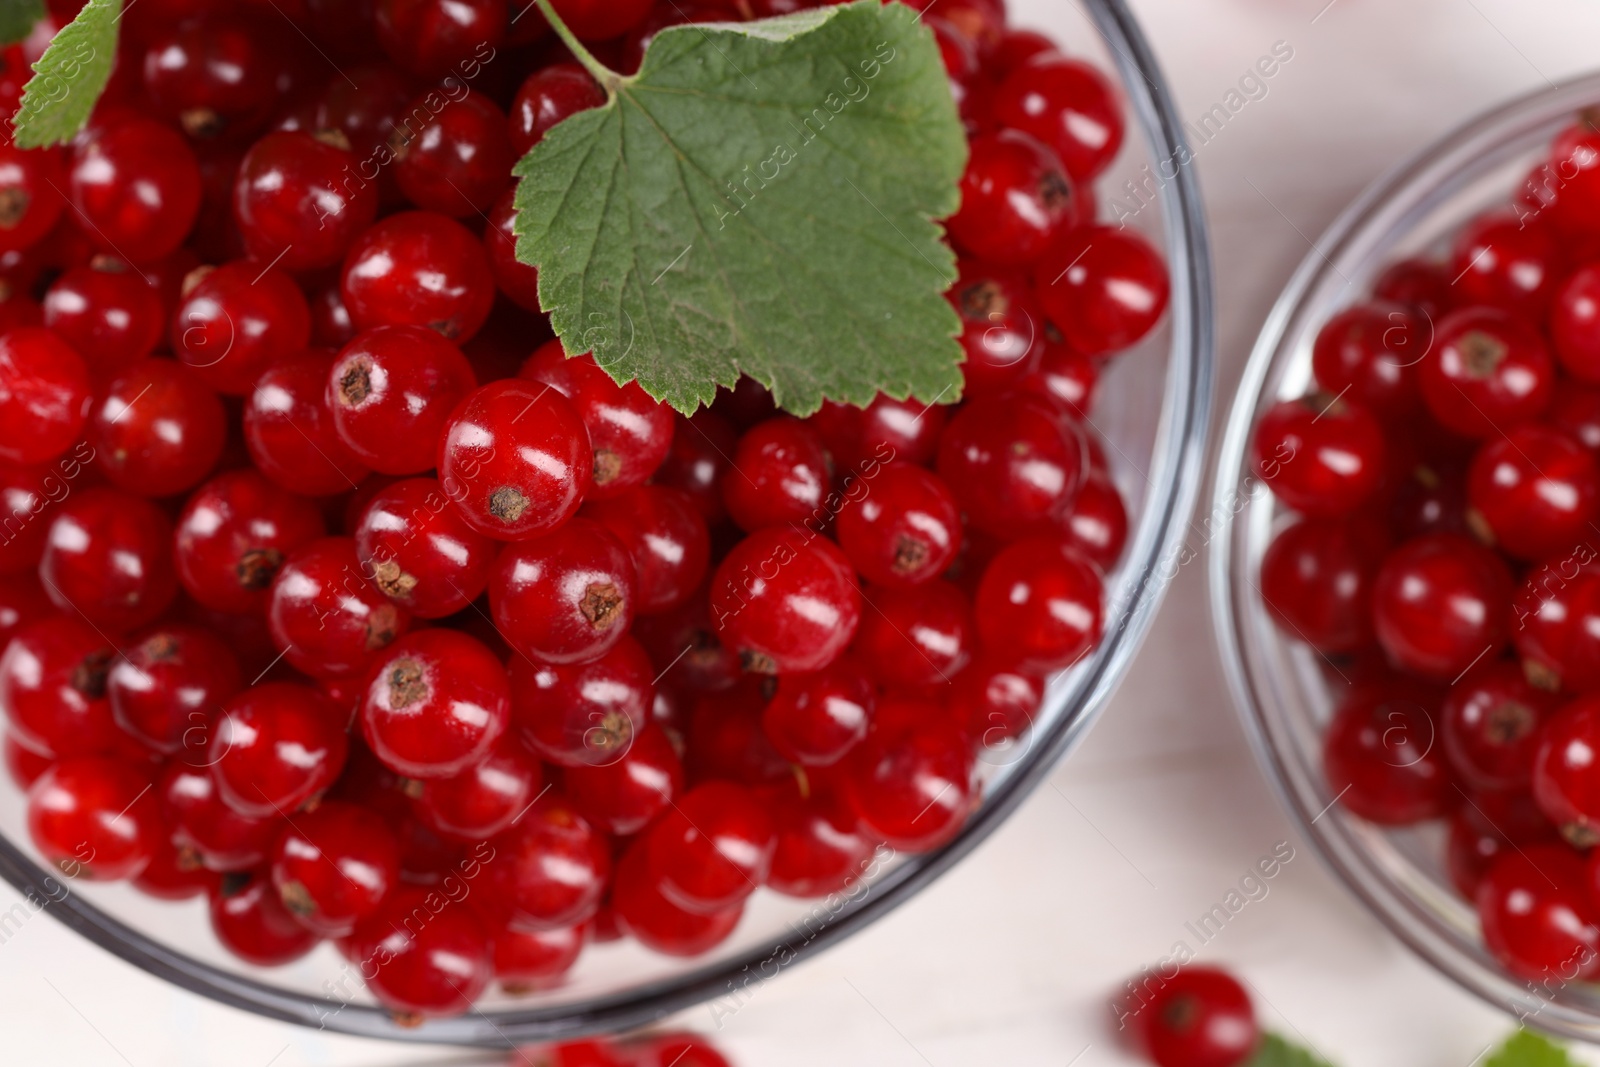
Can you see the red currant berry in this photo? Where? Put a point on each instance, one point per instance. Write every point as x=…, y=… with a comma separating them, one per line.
x=912, y=788
x=698, y=460
x=666, y=538
x=235, y=321
x=656, y=922
x=107, y=314
x=566, y=597
x=1420, y=285
x=1372, y=350
x=53, y=688
x=624, y=797
x=1102, y=287
x=1201, y=1017
x=109, y=556
x=1097, y=524
x=1012, y=462
x=551, y=867
x=819, y=846
x=905, y=530
x=1316, y=580
x=519, y=281
x=167, y=684
x=420, y=552
x=365, y=109
x=1499, y=260
x=785, y=602
x=629, y=432
x=1016, y=199
x=94, y=818
x=157, y=430
x=586, y=714
x=1485, y=372
x=1534, y=927
x=481, y=801
x=1491, y=726
x=601, y=20
x=515, y=459
x=1068, y=105
x=1533, y=492
x=1478, y=836
x=135, y=187
x=528, y=961
x=433, y=38
x=251, y=922
x=23, y=602
x=289, y=429
x=332, y=867
x=1557, y=624
x=917, y=636
x=391, y=391
x=44, y=396
x=31, y=201
x=297, y=201
x=779, y=476
x=458, y=160
x=1563, y=782
x=816, y=719
x=684, y=644
x=549, y=97
x=712, y=849
x=1001, y=328
x=328, y=620
x=279, y=747
x=1574, y=323
x=1040, y=601
x=885, y=430
x=233, y=536
x=437, y=704
x=204, y=828
x=1381, y=756
x=418, y=268
x=172, y=874
x=1439, y=604
x=218, y=78
x=994, y=701
x=1320, y=455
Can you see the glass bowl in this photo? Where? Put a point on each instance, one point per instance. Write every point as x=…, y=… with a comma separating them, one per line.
x=1153, y=414
x=1282, y=691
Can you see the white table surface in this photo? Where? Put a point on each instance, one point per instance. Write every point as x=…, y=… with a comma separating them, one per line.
x=1013, y=957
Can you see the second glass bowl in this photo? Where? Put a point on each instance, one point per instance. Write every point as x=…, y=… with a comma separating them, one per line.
x=1279, y=684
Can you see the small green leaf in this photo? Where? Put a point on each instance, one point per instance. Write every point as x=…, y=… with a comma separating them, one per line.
x=1528, y=1049
x=69, y=77
x=759, y=198
x=17, y=18
x=1277, y=1052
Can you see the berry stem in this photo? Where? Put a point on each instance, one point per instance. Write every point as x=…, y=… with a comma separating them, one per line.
x=608, y=78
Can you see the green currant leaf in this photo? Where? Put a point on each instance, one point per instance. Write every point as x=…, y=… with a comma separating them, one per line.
x=69, y=77
x=1528, y=1049
x=17, y=18
x=759, y=198
x=1275, y=1051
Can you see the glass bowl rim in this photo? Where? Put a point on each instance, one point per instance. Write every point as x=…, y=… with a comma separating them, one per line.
x=1340, y=850
x=1178, y=457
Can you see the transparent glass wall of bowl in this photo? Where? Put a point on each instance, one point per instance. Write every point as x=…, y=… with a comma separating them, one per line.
x=1152, y=412
x=1284, y=690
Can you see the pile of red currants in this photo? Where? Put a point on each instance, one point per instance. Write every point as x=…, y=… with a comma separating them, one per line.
x=323, y=598
x=1446, y=473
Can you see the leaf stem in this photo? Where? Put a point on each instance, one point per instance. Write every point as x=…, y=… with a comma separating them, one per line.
x=603, y=74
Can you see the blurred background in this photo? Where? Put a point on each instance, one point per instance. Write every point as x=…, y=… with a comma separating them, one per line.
x=1015, y=957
